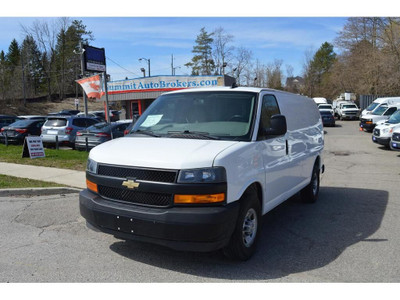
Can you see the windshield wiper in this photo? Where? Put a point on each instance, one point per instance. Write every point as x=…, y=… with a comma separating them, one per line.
x=145, y=132
x=188, y=133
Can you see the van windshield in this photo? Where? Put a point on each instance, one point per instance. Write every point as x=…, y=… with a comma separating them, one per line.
x=380, y=110
x=213, y=114
x=394, y=118
x=372, y=106
x=349, y=106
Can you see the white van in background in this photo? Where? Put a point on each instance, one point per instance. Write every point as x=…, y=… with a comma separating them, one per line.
x=320, y=100
x=387, y=101
x=382, y=113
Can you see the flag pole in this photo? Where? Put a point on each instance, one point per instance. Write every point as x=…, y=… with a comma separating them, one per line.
x=107, y=108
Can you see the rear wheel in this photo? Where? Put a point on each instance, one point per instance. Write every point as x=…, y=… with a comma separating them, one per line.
x=310, y=193
x=244, y=239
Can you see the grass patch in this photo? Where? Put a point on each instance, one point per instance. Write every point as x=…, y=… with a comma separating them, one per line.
x=64, y=159
x=11, y=182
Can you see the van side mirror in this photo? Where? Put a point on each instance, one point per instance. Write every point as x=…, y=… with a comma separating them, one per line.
x=277, y=127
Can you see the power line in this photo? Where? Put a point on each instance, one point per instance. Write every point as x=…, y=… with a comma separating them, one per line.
x=122, y=67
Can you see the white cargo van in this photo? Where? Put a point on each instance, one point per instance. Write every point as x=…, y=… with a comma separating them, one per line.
x=320, y=100
x=382, y=113
x=383, y=130
x=201, y=166
x=387, y=101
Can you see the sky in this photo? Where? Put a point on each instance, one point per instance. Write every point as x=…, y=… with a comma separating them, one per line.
x=157, y=30
x=126, y=39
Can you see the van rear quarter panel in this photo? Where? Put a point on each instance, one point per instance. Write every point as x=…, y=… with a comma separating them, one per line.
x=244, y=163
x=305, y=130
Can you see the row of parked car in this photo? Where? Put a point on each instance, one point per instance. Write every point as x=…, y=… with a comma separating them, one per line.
x=340, y=109
x=65, y=128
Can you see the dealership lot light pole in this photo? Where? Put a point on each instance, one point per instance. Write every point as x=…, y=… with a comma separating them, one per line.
x=148, y=64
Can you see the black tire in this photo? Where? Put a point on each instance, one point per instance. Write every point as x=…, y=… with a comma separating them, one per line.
x=310, y=193
x=244, y=239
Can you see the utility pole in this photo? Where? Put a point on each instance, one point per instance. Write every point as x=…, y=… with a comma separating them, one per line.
x=172, y=64
x=23, y=78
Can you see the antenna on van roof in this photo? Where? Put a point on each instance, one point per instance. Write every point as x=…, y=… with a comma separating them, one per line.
x=234, y=85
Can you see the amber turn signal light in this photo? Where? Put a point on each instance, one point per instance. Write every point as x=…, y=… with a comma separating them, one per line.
x=199, y=199
x=91, y=186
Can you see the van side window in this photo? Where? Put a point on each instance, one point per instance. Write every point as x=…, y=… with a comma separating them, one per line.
x=269, y=108
x=390, y=111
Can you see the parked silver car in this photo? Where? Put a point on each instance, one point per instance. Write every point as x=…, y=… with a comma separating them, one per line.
x=64, y=129
x=100, y=133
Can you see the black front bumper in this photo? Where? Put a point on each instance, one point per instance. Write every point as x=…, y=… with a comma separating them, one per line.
x=367, y=126
x=381, y=141
x=182, y=228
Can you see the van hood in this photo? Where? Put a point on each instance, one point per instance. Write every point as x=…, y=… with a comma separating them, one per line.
x=164, y=153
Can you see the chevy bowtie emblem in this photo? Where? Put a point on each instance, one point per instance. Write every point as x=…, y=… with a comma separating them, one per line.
x=131, y=184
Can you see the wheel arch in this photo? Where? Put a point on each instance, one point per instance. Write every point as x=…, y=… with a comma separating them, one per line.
x=258, y=189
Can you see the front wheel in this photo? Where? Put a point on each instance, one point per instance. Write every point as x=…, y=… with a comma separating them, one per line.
x=243, y=242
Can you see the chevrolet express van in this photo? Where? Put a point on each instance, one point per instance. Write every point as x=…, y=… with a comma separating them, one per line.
x=201, y=166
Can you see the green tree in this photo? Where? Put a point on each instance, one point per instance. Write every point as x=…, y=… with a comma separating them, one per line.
x=67, y=62
x=318, y=70
x=202, y=62
x=3, y=69
x=30, y=55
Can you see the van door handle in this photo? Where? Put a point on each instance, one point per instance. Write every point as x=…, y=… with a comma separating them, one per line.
x=287, y=147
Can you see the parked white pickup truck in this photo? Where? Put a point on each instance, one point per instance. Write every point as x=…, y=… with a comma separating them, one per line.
x=201, y=166
x=348, y=111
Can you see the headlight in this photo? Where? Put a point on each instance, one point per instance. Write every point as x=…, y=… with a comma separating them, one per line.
x=206, y=175
x=91, y=166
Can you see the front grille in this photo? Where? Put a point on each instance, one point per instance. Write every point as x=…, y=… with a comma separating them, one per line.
x=377, y=132
x=136, y=197
x=138, y=174
x=396, y=137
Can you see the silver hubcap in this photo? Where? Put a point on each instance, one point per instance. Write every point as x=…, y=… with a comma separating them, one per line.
x=249, y=227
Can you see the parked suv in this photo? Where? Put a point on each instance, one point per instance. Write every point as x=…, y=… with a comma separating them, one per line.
x=65, y=128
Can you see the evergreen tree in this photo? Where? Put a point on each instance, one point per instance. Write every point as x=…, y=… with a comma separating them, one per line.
x=202, y=62
x=13, y=54
x=67, y=62
x=318, y=71
x=2, y=75
x=30, y=55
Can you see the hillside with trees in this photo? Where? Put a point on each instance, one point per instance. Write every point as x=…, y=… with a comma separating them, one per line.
x=44, y=65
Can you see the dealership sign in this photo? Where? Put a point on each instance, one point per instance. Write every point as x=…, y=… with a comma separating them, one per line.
x=94, y=59
x=163, y=83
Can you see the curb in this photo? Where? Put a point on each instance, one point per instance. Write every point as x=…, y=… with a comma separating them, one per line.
x=38, y=191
